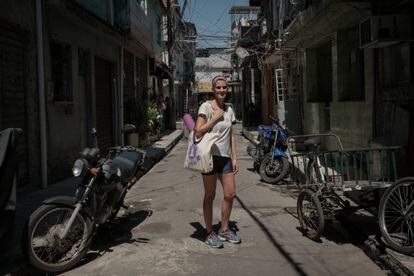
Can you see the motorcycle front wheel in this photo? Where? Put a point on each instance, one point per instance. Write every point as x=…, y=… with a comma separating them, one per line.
x=273, y=170
x=46, y=250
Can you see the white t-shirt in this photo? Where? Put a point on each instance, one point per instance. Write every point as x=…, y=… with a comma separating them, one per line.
x=223, y=126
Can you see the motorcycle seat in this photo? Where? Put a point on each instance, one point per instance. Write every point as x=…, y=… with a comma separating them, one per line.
x=127, y=162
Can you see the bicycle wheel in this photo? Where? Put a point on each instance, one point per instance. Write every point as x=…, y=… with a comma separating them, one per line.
x=310, y=214
x=396, y=216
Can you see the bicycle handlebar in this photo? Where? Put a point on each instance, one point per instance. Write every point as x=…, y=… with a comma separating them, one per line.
x=321, y=135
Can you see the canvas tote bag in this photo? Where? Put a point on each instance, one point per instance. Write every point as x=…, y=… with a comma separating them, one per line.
x=198, y=157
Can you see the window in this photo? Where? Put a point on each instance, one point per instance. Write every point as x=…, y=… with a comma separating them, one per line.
x=141, y=79
x=397, y=65
x=285, y=81
x=351, y=66
x=143, y=5
x=61, y=59
x=319, y=74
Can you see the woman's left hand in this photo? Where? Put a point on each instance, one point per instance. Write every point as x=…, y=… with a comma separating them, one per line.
x=235, y=166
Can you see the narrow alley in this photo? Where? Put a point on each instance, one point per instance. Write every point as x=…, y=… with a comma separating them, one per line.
x=163, y=232
x=104, y=110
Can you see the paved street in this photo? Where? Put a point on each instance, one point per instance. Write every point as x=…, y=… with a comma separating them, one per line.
x=162, y=233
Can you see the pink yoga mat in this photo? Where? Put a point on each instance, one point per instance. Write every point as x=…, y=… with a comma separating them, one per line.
x=188, y=122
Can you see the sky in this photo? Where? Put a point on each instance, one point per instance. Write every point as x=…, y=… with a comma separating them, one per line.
x=211, y=18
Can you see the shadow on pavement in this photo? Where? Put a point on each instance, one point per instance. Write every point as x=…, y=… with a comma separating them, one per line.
x=269, y=235
x=349, y=225
x=115, y=234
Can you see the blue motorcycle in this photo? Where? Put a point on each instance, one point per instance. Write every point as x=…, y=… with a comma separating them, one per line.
x=274, y=165
x=266, y=134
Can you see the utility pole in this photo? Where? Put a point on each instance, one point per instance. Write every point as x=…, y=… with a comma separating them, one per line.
x=171, y=102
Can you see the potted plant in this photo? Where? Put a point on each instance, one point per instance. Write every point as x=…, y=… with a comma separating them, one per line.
x=154, y=123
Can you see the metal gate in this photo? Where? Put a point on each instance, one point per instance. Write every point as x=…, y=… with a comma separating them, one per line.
x=13, y=111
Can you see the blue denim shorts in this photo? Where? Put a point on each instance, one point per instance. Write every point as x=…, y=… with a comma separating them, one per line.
x=221, y=164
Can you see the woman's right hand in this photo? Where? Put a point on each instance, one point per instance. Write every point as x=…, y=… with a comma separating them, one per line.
x=217, y=114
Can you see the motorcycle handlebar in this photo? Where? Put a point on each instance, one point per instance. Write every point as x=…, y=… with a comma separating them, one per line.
x=276, y=121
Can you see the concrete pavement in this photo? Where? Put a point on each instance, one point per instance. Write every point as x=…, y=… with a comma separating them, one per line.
x=162, y=232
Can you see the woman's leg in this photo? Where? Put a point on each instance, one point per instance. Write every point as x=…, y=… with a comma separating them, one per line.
x=229, y=190
x=210, y=182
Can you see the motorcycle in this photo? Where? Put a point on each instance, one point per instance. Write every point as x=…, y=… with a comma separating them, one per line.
x=59, y=232
x=274, y=164
x=8, y=179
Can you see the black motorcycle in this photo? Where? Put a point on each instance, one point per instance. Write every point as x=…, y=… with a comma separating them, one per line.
x=60, y=231
x=8, y=179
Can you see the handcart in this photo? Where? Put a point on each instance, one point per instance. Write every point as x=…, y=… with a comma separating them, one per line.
x=325, y=175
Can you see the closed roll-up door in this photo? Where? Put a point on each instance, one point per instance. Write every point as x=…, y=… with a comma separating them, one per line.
x=13, y=111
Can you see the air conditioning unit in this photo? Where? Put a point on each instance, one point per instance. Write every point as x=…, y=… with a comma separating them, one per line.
x=384, y=30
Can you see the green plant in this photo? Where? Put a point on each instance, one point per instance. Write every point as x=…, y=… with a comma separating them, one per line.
x=154, y=122
x=136, y=113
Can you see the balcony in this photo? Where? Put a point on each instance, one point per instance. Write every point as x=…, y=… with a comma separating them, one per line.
x=249, y=36
x=130, y=17
x=305, y=24
x=102, y=9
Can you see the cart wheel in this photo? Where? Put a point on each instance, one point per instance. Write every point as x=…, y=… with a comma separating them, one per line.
x=396, y=215
x=310, y=214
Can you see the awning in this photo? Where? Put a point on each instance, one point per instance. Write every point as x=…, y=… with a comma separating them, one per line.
x=162, y=71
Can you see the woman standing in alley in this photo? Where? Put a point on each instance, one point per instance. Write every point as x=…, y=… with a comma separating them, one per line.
x=218, y=117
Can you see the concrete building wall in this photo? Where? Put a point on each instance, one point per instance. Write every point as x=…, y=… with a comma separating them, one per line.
x=351, y=120
x=312, y=110
x=68, y=127
x=155, y=13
